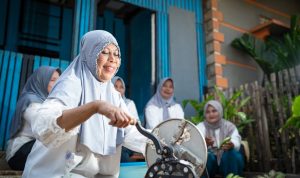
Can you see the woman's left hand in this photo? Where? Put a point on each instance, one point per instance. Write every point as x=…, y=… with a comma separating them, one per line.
x=227, y=146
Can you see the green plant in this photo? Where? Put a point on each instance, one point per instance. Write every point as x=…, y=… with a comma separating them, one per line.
x=231, y=175
x=256, y=49
x=294, y=120
x=272, y=174
x=198, y=107
x=231, y=108
x=273, y=54
x=232, y=105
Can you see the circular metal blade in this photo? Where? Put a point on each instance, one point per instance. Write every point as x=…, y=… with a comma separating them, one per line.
x=182, y=136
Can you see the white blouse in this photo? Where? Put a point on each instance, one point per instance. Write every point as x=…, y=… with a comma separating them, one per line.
x=235, y=137
x=56, y=153
x=24, y=136
x=154, y=114
x=132, y=109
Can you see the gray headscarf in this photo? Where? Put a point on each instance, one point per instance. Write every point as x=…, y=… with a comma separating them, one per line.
x=114, y=80
x=160, y=102
x=79, y=84
x=34, y=91
x=226, y=127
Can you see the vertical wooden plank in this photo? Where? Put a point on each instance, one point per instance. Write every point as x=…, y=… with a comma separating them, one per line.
x=257, y=114
x=261, y=127
x=294, y=81
x=295, y=92
x=272, y=120
x=276, y=95
x=4, y=71
x=287, y=87
x=14, y=93
x=24, y=72
x=283, y=109
x=27, y=69
x=265, y=129
x=1, y=59
x=30, y=66
x=63, y=65
x=45, y=61
x=37, y=62
x=54, y=62
x=7, y=94
x=245, y=134
x=253, y=128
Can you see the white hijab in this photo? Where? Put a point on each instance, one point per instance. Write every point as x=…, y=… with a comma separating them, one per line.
x=79, y=84
x=160, y=102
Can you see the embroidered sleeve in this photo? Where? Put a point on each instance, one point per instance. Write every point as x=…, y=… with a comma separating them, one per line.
x=44, y=125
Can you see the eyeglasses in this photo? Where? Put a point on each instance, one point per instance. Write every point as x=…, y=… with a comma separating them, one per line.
x=106, y=53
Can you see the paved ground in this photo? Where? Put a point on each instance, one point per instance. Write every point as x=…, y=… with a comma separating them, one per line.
x=6, y=172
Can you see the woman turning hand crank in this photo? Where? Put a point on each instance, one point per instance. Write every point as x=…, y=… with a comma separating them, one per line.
x=84, y=122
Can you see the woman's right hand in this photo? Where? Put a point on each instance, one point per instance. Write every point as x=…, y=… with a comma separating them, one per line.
x=209, y=141
x=118, y=117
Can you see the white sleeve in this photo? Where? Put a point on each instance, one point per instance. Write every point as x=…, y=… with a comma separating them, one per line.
x=44, y=125
x=176, y=111
x=153, y=116
x=202, y=129
x=236, y=139
x=134, y=140
x=29, y=115
x=132, y=109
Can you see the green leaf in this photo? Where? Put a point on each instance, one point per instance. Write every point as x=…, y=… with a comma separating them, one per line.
x=242, y=116
x=296, y=106
x=230, y=175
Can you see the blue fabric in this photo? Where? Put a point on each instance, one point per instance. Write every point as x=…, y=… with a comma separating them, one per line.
x=232, y=161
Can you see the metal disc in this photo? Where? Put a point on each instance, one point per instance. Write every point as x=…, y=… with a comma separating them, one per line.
x=180, y=132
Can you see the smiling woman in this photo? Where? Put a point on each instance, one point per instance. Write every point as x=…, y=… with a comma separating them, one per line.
x=108, y=62
x=162, y=105
x=223, y=142
x=36, y=90
x=84, y=122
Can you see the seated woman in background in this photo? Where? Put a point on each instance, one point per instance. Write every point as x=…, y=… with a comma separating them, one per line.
x=22, y=139
x=162, y=105
x=223, y=156
x=121, y=87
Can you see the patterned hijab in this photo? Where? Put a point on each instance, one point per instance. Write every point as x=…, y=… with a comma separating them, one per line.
x=160, y=102
x=79, y=84
x=34, y=91
x=226, y=127
x=114, y=80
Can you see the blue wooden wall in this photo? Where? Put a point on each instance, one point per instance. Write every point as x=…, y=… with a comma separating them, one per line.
x=161, y=9
x=139, y=68
x=36, y=25
x=85, y=15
